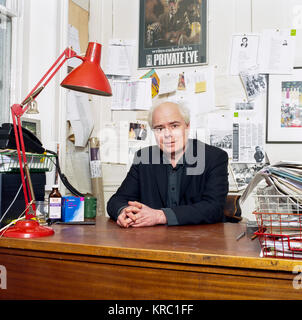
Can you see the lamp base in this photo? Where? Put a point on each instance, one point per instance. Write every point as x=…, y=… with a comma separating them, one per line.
x=27, y=229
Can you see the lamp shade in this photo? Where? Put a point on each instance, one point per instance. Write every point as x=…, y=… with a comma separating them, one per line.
x=89, y=77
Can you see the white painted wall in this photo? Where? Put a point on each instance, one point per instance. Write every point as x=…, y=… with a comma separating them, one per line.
x=44, y=38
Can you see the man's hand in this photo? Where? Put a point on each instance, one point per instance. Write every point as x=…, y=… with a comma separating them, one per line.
x=139, y=215
x=127, y=216
x=144, y=216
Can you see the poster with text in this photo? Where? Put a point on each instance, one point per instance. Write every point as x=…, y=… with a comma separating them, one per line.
x=172, y=33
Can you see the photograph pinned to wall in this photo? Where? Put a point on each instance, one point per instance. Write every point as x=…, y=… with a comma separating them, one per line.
x=222, y=139
x=243, y=173
x=284, y=108
x=253, y=82
x=172, y=33
x=181, y=82
x=244, y=106
x=138, y=131
x=139, y=136
x=220, y=134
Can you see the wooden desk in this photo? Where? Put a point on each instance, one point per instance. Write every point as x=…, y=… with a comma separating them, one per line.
x=107, y=262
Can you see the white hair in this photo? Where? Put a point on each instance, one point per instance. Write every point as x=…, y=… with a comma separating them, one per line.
x=182, y=108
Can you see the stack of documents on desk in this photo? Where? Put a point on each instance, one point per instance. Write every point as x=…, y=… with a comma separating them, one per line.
x=282, y=248
x=284, y=176
x=287, y=177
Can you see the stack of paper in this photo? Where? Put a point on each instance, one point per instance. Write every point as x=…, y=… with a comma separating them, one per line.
x=282, y=247
x=284, y=176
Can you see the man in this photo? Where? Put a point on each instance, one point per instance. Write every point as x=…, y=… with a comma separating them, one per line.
x=180, y=181
x=172, y=25
x=258, y=155
x=141, y=132
x=244, y=41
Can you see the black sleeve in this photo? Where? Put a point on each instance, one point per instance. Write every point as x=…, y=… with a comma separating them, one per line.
x=128, y=191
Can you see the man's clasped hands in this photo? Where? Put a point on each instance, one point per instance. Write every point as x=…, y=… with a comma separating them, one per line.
x=137, y=214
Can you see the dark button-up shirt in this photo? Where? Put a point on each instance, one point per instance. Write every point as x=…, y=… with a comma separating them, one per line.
x=174, y=182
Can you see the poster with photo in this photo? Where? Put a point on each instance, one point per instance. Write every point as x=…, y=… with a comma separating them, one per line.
x=172, y=33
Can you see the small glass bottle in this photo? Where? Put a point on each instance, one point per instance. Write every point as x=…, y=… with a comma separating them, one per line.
x=55, y=204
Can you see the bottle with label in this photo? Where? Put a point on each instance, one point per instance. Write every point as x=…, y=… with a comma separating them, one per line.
x=55, y=204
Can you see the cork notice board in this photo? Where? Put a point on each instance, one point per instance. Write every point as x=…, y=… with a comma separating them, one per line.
x=79, y=18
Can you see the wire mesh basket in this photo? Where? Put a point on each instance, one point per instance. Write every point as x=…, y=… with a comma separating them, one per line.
x=279, y=220
x=9, y=162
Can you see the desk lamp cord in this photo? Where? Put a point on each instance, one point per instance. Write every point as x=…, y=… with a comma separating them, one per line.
x=63, y=177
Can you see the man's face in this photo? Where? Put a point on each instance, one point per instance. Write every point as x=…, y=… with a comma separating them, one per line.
x=170, y=130
x=172, y=7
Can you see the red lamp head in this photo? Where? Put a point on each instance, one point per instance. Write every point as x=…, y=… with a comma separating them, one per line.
x=89, y=77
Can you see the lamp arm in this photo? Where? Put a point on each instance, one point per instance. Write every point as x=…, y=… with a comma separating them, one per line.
x=66, y=54
x=17, y=111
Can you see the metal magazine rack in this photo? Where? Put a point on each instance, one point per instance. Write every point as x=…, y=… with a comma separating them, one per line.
x=279, y=219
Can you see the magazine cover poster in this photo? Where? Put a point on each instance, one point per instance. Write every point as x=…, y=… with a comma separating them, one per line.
x=172, y=33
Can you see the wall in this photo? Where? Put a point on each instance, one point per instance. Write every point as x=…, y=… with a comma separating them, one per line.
x=43, y=38
x=119, y=19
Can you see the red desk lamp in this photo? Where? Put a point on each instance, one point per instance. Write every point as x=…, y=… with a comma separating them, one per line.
x=89, y=78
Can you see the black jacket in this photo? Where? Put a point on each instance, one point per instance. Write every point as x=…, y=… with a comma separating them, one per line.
x=204, y=184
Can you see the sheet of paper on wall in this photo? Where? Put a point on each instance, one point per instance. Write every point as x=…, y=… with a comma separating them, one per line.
x=168, y=83
x=204, y=100
x=114, y=142
x=248, y=142
x=277, y=51
x=131, y=94
x=244, y=52
x=226, y=88
x=119, y=61
x=141, y=94
x=80, y=117
x=244, y=110
x=74, y=42
x=121, y=95
x=220, y=131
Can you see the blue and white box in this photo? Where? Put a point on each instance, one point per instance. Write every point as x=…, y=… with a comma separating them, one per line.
x=72, y=209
